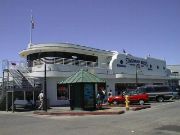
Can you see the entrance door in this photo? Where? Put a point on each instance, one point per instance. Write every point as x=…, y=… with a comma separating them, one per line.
x=77, y=96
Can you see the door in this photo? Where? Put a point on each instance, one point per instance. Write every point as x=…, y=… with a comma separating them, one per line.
x=77, y=96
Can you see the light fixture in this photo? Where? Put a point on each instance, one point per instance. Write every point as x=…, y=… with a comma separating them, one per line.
x=74, y=57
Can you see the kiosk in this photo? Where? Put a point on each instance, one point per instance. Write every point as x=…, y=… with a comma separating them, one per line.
x=82, y=90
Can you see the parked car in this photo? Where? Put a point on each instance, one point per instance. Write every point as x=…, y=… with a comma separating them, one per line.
x=176, y=92
x=135, y=96
x=158, y=92
x=23, y=104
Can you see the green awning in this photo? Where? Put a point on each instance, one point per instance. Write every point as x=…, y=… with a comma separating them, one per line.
x=82, y=77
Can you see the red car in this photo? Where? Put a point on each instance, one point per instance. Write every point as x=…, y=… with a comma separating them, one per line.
x=135, y=96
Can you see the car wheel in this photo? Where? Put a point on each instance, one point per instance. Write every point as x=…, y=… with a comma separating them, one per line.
x=160, y=99
x=141, y=102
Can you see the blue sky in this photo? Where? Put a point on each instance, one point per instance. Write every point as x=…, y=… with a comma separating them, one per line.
x=141, y=27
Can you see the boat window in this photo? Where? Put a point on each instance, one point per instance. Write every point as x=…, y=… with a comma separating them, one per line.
x=67, y=55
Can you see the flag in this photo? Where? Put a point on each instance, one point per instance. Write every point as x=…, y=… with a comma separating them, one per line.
x=32, y=22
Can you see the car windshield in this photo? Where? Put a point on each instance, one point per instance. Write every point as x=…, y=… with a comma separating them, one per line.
x=133, y=92
x=140, y=90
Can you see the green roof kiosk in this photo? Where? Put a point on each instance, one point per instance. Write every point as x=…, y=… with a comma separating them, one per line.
x=82, y=90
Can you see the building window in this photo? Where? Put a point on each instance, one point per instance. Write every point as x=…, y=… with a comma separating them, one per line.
x=62, y=92
x=150, y=66
x=164, y=68
x=157, y=67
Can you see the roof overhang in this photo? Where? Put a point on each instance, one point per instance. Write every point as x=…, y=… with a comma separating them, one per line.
x=63, y=47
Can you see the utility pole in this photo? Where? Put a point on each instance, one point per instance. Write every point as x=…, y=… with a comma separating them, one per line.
x=136, y=76
x=45, y=90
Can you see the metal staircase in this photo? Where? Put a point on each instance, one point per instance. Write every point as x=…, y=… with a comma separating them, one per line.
x=6, y=85
x=16, y=78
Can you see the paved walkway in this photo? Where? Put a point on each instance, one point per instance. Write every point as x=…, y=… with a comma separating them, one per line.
x=105, y=110
x=59, y=111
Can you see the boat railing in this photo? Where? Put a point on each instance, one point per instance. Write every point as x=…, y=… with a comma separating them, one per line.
x=58, y=62
x=65, y=61
x=18, y=72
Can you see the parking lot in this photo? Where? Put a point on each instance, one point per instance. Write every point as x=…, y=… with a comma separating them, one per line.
x=161, y=118
x=106, y=108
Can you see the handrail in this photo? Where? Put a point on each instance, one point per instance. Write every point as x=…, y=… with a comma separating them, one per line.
x=15, y=77
x=19, y=72
x=23, y=71
x=64, y=61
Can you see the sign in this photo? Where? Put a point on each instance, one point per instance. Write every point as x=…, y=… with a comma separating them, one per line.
x=132, y=62
x=88, y=96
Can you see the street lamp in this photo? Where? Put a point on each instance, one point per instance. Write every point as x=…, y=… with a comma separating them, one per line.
x=137, y=66
x=45, y=90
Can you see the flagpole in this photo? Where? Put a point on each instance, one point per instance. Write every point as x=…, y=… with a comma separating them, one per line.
x=31, y=31
x=31, y=27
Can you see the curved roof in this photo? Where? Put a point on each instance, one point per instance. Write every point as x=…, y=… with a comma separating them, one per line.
x=82, y=77
x=63, y=47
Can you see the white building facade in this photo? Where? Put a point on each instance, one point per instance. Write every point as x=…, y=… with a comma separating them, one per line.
x=120, y=70
x=174, y=75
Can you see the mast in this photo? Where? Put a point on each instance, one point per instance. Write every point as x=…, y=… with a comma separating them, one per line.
x=31, y=30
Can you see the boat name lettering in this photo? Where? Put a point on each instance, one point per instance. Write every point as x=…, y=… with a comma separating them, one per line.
x=135, y=61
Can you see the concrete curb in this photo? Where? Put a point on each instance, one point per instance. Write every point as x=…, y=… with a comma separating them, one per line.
x=79, y=113
x=140, y=108
x=123, y=105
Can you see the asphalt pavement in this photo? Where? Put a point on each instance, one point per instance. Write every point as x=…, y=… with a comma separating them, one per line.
x=160, y=119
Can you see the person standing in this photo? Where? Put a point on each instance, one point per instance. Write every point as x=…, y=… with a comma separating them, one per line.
x=102, y=95
x=110, y=93
x=98, y=99
x=41, y=96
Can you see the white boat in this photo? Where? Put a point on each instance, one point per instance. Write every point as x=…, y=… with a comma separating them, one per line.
x=120, y=70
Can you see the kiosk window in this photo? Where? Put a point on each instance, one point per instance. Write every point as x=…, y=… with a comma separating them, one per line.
x=62, y=92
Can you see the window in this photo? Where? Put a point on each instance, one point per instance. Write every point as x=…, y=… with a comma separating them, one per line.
x=62, y=92
x=149, y=89
x=140, y=90
x=162, y=89
x=67, y=55
x=157, y=67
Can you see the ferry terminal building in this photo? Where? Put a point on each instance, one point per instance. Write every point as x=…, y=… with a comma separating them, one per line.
x=119, y=70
